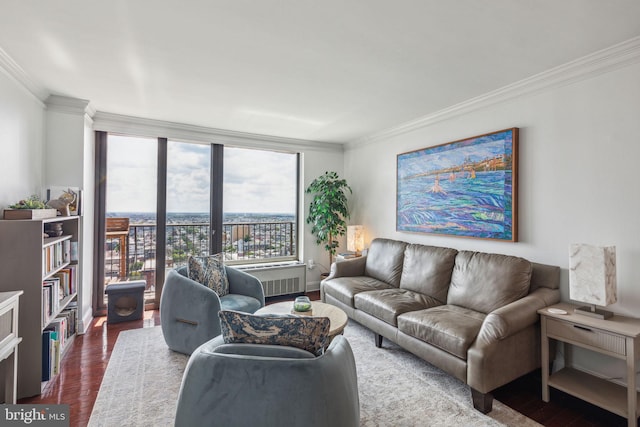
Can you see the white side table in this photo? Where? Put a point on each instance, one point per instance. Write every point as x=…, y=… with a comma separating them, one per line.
x=9, y=340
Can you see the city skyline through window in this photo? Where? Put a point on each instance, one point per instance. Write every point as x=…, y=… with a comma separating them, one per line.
x=180, y=199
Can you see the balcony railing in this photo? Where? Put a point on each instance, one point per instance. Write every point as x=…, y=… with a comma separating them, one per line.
x=241, y=242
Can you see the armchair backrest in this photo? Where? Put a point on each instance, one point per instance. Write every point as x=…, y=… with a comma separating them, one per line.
x=232, y=385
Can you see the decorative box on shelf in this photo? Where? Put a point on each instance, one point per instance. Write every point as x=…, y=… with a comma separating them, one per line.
x=30, y=213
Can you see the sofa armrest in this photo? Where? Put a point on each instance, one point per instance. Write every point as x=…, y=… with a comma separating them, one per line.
x=242, y=283
x=516, y=316
x=348, y=268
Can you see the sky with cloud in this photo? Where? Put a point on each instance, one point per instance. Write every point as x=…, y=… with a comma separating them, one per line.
x=255, y=181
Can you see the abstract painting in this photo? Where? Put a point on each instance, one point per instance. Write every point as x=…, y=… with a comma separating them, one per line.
x=464, y=188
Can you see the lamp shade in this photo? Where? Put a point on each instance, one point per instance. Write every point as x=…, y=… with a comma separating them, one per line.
x=592, y=274
x=355, y=238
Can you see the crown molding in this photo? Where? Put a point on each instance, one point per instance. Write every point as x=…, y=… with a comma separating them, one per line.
x=602, y=61
x=66, y=104
x=129, y=125
x=16, y=72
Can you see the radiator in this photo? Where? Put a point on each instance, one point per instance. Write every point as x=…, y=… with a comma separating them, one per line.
x=280, y=279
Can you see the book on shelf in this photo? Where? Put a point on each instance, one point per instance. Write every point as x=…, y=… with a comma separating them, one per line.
x=55, y=355
x=70, y=314
x=64, y=324
x=59, y=325
x=46, y=304
x=46, y=355
x=50, y=355
x=73, y=252
x=66, y=251
x=54, y=295
x=68, y=279
x=53, y=256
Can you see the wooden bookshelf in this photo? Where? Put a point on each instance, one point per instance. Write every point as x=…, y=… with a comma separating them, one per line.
x=27, y=260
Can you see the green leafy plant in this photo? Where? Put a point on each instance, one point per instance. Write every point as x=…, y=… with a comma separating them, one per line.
x=31, y=202
x=328, y=210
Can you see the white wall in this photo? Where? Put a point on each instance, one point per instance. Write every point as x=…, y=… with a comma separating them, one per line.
x=316, y=163
x=21, y=142
x=579, y=161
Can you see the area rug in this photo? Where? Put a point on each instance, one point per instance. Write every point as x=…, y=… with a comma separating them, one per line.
x=142, y=381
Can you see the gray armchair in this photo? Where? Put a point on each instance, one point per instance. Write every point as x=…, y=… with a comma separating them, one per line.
x=189, y=310
x=257, y=385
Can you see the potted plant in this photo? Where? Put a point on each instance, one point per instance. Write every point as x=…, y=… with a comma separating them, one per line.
x=328, y=210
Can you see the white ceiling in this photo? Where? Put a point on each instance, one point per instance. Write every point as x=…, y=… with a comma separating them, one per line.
x=330, y=70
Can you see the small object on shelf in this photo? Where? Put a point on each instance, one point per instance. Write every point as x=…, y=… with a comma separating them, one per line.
x=302, y=304
x=29, y=213
x=30, y=208
x=556, y=311
x=53, y=229
x=63, y=203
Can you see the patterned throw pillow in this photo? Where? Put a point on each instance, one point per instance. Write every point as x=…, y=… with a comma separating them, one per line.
x=210, y=272
x=305, y=332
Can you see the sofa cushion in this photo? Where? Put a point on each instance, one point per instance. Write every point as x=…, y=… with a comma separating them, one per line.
x=387, y=304
x=344, y=288
x=427, y=269
x=384, y=261
x=240, y=302
x=448, y=327
x=484, y=282
x=305, y=332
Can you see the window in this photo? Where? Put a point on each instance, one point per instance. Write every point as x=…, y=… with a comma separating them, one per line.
x=179, y=199
x=260, y=205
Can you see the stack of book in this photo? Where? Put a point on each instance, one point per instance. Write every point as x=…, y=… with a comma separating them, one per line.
x=55, y=289
x=55, y=338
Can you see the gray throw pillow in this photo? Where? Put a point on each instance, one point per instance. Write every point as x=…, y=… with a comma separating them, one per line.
x=305, y=332
x=209, y=271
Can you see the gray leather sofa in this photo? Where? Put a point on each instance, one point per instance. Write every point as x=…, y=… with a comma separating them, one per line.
x=472, y=314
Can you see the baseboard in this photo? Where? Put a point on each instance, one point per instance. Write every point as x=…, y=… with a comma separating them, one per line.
x=85, y=322
x=313, y=286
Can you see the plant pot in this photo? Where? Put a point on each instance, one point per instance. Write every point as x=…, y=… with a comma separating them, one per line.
x=30, y=213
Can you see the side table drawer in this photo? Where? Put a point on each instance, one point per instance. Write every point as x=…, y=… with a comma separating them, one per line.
x=592, y=337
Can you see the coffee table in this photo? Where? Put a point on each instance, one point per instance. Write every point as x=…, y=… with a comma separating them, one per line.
x=337, y=317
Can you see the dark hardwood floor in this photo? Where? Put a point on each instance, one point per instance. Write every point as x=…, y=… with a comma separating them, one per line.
x=524, y=395
x=83, y=368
